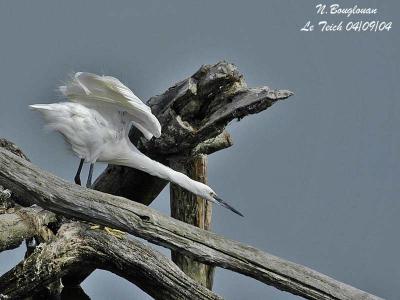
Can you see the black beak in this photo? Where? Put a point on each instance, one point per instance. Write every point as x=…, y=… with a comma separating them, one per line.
x=224, y=204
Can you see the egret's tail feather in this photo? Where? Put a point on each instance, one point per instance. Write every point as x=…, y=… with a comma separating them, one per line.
x=39, y=106
x=226, y=205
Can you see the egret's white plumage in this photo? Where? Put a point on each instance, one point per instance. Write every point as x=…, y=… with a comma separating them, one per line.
x=102, y=92
x=97, y=124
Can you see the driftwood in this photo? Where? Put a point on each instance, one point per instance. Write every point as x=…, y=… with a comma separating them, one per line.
x=76, y=246
x=62, y=197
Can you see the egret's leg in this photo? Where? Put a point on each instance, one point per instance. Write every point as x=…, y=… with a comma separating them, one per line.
x=112, y=231
x=78, y=173
x=89, y=179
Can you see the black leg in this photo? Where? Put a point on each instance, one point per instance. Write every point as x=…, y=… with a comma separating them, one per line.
x=89, y=179
x=78, y=173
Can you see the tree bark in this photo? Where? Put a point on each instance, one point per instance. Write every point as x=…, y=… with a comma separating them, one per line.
x=68, y=199
x=18, y=224
x=193, y=210
x=10, y=146
x=76, y=247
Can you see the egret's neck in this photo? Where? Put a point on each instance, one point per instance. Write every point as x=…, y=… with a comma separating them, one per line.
x=135, y=159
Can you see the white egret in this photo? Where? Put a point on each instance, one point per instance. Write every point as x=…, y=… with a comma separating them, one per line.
x=96, y=124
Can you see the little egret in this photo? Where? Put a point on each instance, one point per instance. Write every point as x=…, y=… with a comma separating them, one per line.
x=96, y=124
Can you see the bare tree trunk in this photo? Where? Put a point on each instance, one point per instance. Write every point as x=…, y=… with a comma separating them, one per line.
x=193, y=210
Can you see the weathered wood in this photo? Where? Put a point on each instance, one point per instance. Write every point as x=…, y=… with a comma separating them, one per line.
x=77, y=246
x=10, y=146
x=214, y=144
x=193, y=210
x=62, y=197
x=18, y=224
x=5, y=200
x=193, y=114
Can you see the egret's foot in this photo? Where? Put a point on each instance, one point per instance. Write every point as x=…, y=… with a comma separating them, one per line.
x=77, y=181
x=95, y=226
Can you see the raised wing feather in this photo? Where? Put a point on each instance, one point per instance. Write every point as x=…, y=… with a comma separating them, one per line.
x=91, y=89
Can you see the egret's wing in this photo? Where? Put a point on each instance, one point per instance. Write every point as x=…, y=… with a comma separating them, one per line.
x=83, y=128
x=92, y=89
x=147, y=134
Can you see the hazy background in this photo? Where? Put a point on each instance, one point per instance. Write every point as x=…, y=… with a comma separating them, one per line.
x=317, y=176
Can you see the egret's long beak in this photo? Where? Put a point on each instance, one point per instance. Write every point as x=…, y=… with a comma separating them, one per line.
x=224, y=204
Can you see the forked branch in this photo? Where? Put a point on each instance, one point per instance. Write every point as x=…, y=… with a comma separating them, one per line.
x=76, y=247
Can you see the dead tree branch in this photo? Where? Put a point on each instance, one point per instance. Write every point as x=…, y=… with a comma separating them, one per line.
x=18, y=224
x=193, y=114
x=77, y=246
x=62, y=197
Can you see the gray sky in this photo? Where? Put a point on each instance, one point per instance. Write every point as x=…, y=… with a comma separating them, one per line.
x=316, y=175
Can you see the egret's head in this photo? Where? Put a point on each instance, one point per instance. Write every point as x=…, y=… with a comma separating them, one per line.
x=204, y=191
x=207, y=193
